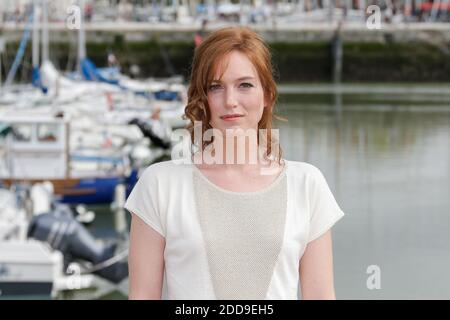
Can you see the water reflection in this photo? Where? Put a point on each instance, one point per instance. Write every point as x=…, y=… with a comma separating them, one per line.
x=389, y=168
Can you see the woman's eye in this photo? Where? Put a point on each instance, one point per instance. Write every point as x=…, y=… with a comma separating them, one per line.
x=246, y=85
x=214, y=87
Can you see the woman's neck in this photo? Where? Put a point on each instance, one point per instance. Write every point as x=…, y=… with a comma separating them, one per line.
x=252, y=159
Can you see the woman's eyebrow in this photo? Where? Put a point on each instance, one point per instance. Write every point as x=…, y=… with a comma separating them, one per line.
x=245, y=78
x=239, y=79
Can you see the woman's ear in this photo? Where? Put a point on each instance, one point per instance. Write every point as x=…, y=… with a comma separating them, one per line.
x=266, y=101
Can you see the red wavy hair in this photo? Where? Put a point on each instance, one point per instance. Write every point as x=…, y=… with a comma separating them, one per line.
x=204, y=66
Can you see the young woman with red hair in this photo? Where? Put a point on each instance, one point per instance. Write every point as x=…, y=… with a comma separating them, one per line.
x=222, y=226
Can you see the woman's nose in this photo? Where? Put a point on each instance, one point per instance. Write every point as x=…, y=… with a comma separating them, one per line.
x=230, y=99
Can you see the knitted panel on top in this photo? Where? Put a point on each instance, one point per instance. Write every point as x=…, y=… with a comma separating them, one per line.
x=243, y=235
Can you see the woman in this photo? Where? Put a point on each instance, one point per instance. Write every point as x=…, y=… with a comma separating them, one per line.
x=218, y=227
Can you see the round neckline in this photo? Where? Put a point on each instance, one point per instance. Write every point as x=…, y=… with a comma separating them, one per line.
x=280, y=176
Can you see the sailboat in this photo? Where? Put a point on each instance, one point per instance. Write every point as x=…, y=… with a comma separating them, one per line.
x=166, y=96
x=107, y=141
x=37, y=149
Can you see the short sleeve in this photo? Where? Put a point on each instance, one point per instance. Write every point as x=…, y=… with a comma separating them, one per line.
x=143, y=200
x=324, y=210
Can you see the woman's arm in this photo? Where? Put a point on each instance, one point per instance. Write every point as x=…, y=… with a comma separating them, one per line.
x=145, y=261
x=316, y=269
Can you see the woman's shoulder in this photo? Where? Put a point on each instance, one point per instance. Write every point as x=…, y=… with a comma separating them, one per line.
x=307, y=176
x=303, y=168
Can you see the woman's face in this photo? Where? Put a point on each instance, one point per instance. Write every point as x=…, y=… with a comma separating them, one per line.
x=237, y=99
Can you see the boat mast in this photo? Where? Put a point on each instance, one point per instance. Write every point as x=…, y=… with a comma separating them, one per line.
x=45, y=39
x=2, y=47
x=81, y=37
x=35, y=42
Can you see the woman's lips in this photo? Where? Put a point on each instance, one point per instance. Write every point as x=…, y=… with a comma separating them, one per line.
x=231, y=117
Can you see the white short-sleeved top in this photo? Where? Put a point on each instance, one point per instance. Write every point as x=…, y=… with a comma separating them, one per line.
x=233, y=245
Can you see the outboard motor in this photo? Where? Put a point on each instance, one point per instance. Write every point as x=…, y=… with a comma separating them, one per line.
x=64, y=233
